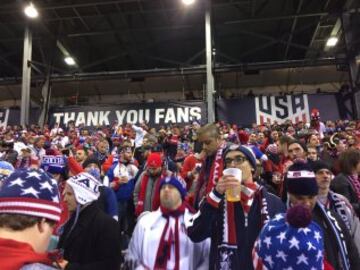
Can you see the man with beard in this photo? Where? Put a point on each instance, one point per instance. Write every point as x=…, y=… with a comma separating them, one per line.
x=145, y=195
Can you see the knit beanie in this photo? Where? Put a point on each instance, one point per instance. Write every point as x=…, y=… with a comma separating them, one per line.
x=176, y=182
x=300, y=179
x=30, y=192
x=5, y=169
x=154, y=160
x=320, y=165
x=91, y=160
x=248, y=153
x=85, y=187
x=290, y=241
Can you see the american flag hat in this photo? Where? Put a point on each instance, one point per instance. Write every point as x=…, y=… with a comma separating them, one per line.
x=285, y=245
x=30, y=192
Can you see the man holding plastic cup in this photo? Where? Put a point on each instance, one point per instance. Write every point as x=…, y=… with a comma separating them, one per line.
x=234, y=212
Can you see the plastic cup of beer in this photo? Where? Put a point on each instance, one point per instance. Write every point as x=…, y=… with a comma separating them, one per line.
x=234, y=194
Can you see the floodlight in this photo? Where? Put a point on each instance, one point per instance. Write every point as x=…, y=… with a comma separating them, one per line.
x=188, y=2
x=31, y=11
x=69, y=61
x=332, y=41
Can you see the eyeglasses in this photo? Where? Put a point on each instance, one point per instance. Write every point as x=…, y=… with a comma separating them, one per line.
x=237, y=160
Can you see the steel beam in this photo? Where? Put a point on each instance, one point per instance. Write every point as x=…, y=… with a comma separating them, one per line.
x=26, y=77
x=210, y=84
x=194, y=70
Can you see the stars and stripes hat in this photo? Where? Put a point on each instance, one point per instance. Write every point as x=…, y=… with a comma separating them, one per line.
x=30, y=192
x=291, y=242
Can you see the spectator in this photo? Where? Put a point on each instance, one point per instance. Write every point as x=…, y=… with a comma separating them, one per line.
x=166, y=244
x=234, y=226
x=347, y=182
x=29, y=210
x=90, y=238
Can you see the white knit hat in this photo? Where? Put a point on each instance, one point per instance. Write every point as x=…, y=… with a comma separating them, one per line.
x=85, y=186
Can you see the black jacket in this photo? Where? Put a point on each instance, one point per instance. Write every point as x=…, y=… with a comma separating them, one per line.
x=341, y=184
x=209, y=223
x=94, y=243
x=332, y=250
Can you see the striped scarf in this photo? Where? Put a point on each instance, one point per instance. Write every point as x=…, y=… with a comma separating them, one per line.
x=229, y=243
x=354, y=180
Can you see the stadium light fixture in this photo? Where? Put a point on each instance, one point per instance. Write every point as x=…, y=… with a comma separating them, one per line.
x=31, y=11
x=69, y=61
x=188, y=2
x=332, y=41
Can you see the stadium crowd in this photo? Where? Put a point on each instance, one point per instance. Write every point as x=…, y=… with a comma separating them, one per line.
x=214, y=196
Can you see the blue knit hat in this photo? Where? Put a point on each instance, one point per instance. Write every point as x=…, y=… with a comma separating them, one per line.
x=248, y=153
x=290, y=241
x=177, y=182
x=5, y=169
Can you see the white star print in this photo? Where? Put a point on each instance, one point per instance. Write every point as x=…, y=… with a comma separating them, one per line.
x=289, y=268
x=269, y=260
x=30, y=190
x=281, y=254
x=46, y=185
x=294, y=243
x=278, y=217
x=18, y=181
x=53, y=181
x=267, y=241
x=317, y=236
x=34, y=174
x=270, y=227
x=310, y=246
x=281, y=237
x=302, y=259
x=304, y=230
x=55, y=199
x=319, y=255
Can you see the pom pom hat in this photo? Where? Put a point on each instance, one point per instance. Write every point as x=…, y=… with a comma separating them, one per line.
x=290, y=242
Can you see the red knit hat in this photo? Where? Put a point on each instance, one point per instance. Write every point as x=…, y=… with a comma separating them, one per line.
x=154, y=160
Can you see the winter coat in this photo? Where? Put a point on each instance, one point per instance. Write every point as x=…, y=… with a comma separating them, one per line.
x=94, y=242
x=144, y=243
x=208, y=222
x=150, y=191
x=342, y=185
x=332, y=249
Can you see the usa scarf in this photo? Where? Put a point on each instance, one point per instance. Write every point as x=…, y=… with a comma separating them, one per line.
x=229, y=243
x=339, y=235
x=204, y=185
x=340, y=207
x=168, y=238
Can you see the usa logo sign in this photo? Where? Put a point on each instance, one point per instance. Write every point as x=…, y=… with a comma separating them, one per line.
x=282, y=108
